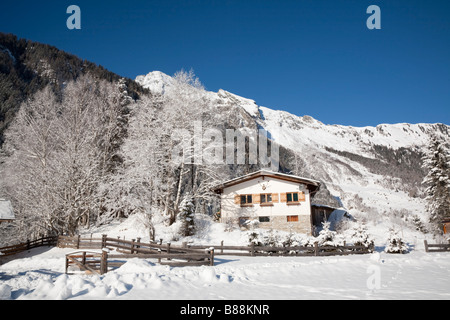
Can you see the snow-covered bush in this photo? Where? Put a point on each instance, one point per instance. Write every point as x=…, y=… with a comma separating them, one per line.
x=418, y=224
x=327, y=237
x=272, y=239
x=395, y=243
x=359, y=236
x=275, y=238
x=254, y=238
x=290, y=240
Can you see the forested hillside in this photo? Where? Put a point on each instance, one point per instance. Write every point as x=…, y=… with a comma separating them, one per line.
x=27, y=67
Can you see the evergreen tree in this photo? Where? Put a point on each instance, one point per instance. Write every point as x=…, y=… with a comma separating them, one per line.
x=328, y=237
x=359, y=235
x=437, y=181
x=395, y=243
x=186, y=216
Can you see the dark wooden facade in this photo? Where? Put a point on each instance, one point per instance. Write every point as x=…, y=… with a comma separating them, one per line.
x=319, y=214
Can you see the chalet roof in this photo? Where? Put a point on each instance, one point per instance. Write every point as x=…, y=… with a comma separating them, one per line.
x=6, y=211
x=313, y=185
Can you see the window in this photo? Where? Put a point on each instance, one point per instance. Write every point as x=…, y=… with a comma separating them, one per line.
x=292, y=197
x=292, y=218
x=246, y=199
x=264, y=219
x=265, y=198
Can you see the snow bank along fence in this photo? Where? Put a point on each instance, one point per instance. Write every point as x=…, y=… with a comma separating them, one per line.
x=21, y=247
x=100, y=263
x=437, y=247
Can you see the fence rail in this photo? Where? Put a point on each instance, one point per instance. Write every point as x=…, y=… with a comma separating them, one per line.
x=436, y=247
x=21, y=247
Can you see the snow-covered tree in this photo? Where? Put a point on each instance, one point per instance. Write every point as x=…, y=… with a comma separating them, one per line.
x=327, y=237
x=59, y=149
x=395, y=243
x=437, y=163
x=359, y=235
x=271, y=238
x=159, y=151
x=186, y=216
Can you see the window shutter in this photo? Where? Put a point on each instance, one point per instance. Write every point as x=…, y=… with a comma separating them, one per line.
x=256, y=198
x=301, y=196
x=274, y=197
x=237, y=199
x=283, y=197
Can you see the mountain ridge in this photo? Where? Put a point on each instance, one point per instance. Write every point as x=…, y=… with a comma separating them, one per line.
x=371, y=169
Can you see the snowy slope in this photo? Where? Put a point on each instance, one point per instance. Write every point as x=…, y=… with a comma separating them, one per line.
x=368, y=169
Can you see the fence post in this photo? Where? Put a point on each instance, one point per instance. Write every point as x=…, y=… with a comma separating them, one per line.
x=132, y=246
x=168, y=250
x=104, y=262
x=138, y=245
x=78, y=242
x=221, y=245
x=316, y=248
x=425, y=242
x=252, y=248
x=211, y=258
x=103, y=241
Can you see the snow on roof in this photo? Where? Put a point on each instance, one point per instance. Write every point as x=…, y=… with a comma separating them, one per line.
x=274, y=174
x=6, y=210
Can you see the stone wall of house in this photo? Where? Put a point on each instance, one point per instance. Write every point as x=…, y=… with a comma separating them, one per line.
x=303, y=225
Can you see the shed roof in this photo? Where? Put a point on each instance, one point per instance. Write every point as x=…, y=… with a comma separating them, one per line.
x=313, y=185
x=6, y=210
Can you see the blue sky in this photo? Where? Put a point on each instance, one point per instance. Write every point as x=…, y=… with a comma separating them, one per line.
x=308, y=57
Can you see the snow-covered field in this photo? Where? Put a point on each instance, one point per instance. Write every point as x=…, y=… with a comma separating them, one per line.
x=39, y=274
x=417, y=275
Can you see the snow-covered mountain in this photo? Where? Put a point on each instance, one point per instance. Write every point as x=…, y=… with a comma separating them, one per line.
x=155, y=81
x=371, y=170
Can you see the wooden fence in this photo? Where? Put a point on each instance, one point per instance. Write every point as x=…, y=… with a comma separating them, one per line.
x=101, y=262
x=314, y=250
x=137, y=247
x=437, y=247
x=21, y=247
x=166, y=254
x=91, y=262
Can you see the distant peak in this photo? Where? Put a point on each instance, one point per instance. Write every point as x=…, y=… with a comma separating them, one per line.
x=155, y=81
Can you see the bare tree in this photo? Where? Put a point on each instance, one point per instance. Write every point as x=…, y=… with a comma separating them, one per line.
x=58, y=152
